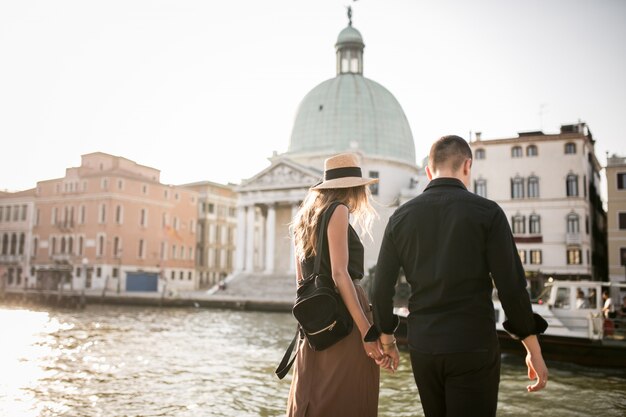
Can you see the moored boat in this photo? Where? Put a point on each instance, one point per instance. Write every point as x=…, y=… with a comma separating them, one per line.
x=577, y=330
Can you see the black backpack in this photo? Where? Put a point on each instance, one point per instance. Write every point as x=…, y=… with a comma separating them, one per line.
x=322, y=316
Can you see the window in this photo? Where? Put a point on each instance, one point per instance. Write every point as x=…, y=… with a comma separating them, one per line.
x=519, y=224
x=622, y=256
x=571, y=184
x=621, y=220
x=20, y=249
x=533, y=187
x=143, y=217
x=181, y=275
x=211, y=208
x=516, y=152
x=82, y=215
x=1, y=213
x=574, y=257
x=621, y=182
x=522, y=256
x=174, y=252
x=118, y=214
x=535, y=257
x=374, y=187
x=173, y=275
x=573, y=223
x=24, y=210
x=166, y=194
x=80, y=245
x=534, y=224
x=163, y=253
x=115, y=273
x=144, y=189
x=120, y=184
x=480, y=188
x=142, y=248
x=570, y=148
x=104, y=183
x=517, y=188
x=53, y=218
x=7, y=213
x=100, y=248
x=479, y=154
x=116, y=247
x=531, y=150
x=53, y=246
x=16, y=213
x=175, y=223
x=103, y=213
x=35, y=247
x=189, y=275
x=562, y=298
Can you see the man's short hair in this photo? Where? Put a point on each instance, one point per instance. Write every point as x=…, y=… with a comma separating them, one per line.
x=451, y=151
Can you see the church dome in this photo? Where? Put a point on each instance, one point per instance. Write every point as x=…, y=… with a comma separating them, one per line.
x=352, y=112
x=351, y=109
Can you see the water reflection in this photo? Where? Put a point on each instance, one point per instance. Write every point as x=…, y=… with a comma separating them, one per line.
x=188, y=362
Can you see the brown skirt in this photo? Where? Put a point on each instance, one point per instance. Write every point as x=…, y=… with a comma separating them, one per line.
x=339, y=381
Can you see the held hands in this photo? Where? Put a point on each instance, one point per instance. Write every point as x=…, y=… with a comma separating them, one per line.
x=390, y=350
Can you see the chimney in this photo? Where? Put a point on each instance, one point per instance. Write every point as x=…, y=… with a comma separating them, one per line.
x=478, y=136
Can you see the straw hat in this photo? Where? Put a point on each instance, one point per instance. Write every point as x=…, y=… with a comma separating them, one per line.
x=343, y=171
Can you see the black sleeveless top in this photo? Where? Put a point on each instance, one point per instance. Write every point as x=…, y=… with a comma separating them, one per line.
x=355, y=253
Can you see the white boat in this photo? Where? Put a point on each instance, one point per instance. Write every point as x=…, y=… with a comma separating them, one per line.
x=577, y=331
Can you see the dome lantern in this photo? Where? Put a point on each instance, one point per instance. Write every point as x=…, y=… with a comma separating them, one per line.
x=349, y=48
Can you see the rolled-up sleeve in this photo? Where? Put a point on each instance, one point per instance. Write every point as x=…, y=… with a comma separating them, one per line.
x=383, y=288
x=508, y=275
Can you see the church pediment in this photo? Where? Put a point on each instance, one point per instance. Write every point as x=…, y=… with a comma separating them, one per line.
x=282, y=174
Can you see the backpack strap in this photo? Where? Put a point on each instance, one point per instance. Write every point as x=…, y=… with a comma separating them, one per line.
x=320, y=235
x=285, y=364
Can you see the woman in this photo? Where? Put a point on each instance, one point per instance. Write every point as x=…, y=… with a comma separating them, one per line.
x=341, y=380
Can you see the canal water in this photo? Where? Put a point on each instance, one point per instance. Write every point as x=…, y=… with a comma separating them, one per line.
x=130, y=361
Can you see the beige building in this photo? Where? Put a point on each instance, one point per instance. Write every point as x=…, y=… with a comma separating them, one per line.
x=548, y=186
x=16, y=220
x=216, y=231
x=110, y=224
x=616, y=196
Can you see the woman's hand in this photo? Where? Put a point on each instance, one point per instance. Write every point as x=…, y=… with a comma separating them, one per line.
x=390, y=350
x=373, y=350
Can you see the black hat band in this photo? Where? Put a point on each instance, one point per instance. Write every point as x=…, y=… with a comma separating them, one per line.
x=335, y=173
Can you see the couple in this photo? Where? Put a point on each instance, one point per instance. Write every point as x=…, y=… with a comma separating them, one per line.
x=453, y=247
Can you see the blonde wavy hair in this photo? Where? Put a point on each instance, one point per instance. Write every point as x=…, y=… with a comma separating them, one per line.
x=304, y=224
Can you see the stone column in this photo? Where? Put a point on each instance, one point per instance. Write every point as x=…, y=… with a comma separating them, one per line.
x=270, y=238
x=241, y=239
x=292, y=251
x=250, y=239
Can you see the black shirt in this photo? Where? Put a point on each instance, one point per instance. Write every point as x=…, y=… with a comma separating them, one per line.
x=450, y=244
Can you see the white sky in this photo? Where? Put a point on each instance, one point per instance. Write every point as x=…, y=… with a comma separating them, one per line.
x=206, y=90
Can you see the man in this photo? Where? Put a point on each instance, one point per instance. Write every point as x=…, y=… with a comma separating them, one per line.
x=453, y=245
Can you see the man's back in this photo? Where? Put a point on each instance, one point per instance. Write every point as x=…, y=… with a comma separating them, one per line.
x=447, y=241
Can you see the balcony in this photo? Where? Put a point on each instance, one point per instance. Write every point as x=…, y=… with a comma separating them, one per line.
x=12, y=259
x=573, y=239
x=61, y=257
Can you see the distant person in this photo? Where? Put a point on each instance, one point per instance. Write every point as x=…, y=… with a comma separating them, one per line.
x=343, y=379
x=451, y=245
x=592, y=298
x=581, y=300
x=607, y=309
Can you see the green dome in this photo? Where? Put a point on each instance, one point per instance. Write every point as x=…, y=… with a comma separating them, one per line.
x=349, y=35
x=351, y=108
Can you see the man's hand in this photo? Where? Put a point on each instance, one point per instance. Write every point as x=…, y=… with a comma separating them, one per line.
x=537, y=368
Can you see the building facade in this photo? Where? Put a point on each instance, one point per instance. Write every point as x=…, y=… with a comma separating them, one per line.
x=216, y=231
x=548, y=186
x=616, y=197
x=110, y=225
x=16, y=221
